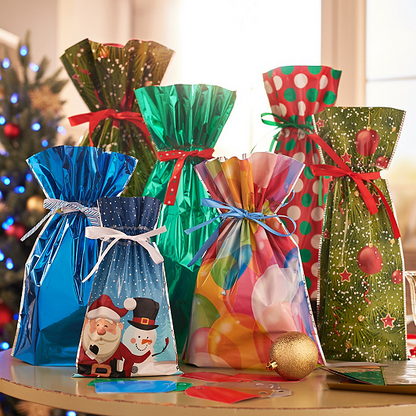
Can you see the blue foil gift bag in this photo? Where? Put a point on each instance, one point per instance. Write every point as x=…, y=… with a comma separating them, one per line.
x=128, y=328
x=54, y=297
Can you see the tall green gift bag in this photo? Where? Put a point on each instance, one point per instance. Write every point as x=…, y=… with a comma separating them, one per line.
x=361, y=309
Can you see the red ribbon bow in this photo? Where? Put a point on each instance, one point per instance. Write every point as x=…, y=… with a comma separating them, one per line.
x=181, y=155
x=343, y=170
x=95, y=117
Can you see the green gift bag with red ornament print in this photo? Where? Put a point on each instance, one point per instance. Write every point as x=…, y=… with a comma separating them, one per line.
x=361, y=304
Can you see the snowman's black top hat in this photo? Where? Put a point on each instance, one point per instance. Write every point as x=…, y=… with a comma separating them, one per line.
x=144, y=310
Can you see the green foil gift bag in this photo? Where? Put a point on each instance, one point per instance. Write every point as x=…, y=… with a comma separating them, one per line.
x=361, y=303
x=106, y=75
x=185, y=122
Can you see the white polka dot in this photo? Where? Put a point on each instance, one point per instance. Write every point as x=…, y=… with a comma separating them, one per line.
x=301, y=80
x=301, y=108
x=296, y=238
x=277, y=82
x=260, y=245
x=315, y=187
x=300, y=157
x=298, y=185
x=316, y=107
x=315, y=269
x=317, y=214
x=276, y=110
x=315, y=158
x=323, y=82
x=268, y=87
x=301, y=134
x=316, y=241
x=294, y=212
x=314, y=295
x=283, y=109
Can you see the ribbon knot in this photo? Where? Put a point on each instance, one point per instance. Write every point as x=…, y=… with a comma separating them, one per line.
x=95, y=117
x=180, y=155
x=107, y=234
x=232, y=212
x=67, y=207
x=359, y=178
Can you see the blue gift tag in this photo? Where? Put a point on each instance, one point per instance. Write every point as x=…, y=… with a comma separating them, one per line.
x=135, y=386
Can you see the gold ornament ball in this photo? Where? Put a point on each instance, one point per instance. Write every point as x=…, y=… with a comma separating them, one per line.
x=293, y=355
x=35, y=204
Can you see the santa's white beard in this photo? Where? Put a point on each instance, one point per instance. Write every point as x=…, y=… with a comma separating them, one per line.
x=107, y=344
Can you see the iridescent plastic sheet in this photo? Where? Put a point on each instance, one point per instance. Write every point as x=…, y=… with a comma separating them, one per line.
x=128, y=328
x=250, y=287
x=105, y=75
x=361, y=309
x=54, y=297
x=181, y=119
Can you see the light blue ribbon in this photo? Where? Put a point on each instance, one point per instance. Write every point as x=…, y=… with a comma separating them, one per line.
x=233, y=212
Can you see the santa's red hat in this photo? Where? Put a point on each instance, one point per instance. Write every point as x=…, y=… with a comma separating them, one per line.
x=103, y=307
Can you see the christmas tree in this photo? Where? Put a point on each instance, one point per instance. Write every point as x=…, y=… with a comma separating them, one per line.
x=30, y=109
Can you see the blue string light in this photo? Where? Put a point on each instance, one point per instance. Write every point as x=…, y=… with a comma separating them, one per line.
x=23, y=50
x=71, y=413
x=6, y=63
x=2, y=120
x=61, y=129
x=4, y=345
x=34, y=67
x=19, y=189
x=1, y=256
x=9, y=221
x=16, y=316
x=45, y=143
x=14, y=98
x=9, y=264
x=1, y=195
x=5, y=180
x=35, y=126
x=29, y=177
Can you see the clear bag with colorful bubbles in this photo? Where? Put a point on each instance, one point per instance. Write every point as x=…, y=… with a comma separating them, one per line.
x=128, y=328
x=55, y=298
x=250, y=287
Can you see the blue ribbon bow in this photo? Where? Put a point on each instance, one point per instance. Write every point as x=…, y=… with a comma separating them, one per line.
x=233, y=212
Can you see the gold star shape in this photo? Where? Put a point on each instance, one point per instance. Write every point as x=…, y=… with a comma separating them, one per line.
x=320, y=123
x=345, y=276
x=388, y=321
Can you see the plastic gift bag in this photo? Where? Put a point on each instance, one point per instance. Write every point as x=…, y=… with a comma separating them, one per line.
x=361, y=305
x=250, y=287
x=185, y=122
x=54, y=297
x=295, y=93
x=128, y=329
x=105, y=75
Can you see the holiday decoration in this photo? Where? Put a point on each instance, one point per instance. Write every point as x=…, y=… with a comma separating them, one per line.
x=128, y=326
x=295, y=93
x=55, y=294
x=293, y=355
x=105, y=76
x=35, y=204
x=25, y=129
x=6, y=314
x=185, y=122
x=361, y=314
x=250, y=287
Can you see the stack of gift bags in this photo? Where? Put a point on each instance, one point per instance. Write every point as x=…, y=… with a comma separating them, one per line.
x=154, y=250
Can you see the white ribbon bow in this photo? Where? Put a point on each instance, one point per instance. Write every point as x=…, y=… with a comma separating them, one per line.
x=67, y=206
x=107, y=234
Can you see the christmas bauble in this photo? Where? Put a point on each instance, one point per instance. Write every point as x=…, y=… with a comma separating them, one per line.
x=35, y=204
x=293, y=355
x=6, y=314
x=382, y=162
x=369, y=259
x=17, y=230
x=366, y=142
x=11, y=131
x=397, y=277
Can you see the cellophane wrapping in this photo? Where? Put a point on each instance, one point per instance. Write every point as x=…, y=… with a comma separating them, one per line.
x=183, y=118
x=250, y=287
x=361, y=304
x=106, y=75
x=295, y=93
x=54, y=298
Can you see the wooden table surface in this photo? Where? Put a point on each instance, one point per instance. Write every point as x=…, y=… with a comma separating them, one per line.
x=55, y=386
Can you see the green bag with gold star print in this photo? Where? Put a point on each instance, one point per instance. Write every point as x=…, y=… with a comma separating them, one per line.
x=361, y=303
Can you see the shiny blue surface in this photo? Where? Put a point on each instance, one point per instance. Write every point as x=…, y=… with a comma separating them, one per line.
x=54, y=298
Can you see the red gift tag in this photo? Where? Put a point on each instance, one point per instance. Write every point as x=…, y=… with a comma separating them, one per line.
x=209, y=376
x=220, y=394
